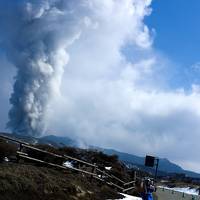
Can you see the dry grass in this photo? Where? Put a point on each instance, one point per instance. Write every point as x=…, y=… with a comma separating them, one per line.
x=24, y=182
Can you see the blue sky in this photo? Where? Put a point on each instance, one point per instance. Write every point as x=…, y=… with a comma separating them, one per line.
x=177, y=29
x=177, y=37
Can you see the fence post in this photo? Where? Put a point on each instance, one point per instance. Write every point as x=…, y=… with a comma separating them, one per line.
x=18, y=158
x=20, y=147
x=93, y=171
x=20, y=150
x=193, y=197
x=183, y=195
x=79, y=165
x=135, y=177
x=102, y=174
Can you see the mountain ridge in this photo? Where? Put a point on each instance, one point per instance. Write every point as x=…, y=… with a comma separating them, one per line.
x=165, y=166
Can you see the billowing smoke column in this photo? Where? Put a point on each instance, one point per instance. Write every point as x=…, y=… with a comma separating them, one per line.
x=37, y=34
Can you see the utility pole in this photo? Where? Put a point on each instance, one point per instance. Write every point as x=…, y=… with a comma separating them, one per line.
x=156, y=172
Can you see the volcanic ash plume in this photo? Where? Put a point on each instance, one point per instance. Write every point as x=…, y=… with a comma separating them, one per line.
x=38, y=33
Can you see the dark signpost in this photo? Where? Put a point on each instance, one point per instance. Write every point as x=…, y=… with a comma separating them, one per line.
x=151, y=161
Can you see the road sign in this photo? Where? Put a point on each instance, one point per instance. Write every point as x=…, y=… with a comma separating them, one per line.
x=149, y=161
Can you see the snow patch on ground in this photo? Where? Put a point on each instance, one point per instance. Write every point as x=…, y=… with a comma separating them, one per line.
x=108, y=168
x=187, y=190
x=6, y=159
x=129, y=197
x=68, y=164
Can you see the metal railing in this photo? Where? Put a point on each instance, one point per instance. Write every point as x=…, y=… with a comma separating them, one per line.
x=94, y=171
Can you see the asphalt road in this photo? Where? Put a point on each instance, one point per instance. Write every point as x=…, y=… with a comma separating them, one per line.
x=169, y=195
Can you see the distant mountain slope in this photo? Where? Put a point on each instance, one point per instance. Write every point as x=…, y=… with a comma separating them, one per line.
x=52, y=140
x=57, y=141
x=164, y=164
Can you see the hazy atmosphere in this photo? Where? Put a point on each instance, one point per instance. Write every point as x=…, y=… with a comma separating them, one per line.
x=111, y=73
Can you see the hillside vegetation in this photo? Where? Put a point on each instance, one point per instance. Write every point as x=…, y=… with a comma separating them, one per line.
x=33, y=181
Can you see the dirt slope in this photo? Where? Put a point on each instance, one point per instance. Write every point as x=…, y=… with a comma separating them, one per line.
x=26, y=182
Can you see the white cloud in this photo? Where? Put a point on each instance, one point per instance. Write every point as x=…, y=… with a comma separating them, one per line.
x=109, y=101
x=196, y=67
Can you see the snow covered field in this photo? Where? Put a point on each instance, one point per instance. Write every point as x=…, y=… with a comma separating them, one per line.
x=186, y=190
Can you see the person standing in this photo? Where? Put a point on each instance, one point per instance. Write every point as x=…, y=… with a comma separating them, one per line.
x=148, y=189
